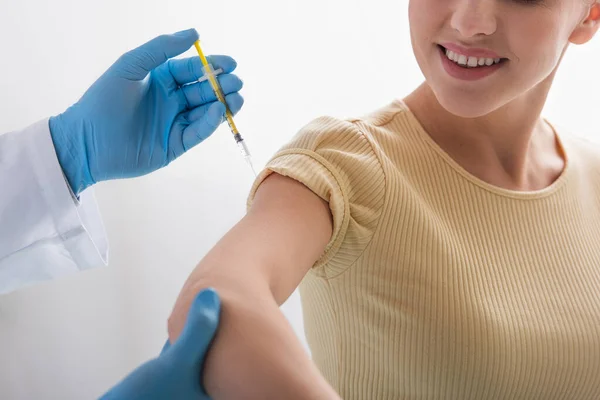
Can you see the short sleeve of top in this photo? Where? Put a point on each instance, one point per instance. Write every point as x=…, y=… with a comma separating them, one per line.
x=338, y=162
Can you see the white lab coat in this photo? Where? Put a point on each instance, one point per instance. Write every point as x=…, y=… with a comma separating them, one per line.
x=45, y=231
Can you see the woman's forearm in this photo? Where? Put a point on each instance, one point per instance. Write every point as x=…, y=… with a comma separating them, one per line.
x=256, y=354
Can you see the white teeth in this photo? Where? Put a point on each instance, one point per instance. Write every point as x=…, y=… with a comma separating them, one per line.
x=470, y=62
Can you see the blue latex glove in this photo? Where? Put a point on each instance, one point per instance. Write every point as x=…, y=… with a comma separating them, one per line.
x=142, y=113
x=177, y=372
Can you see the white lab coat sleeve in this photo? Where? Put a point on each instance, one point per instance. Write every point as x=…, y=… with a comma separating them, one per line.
x=45, y=231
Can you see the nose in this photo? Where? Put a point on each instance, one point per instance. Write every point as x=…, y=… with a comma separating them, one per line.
x=474, y=17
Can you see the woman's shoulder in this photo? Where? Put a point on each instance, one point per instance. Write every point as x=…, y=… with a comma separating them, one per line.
x=337, y=159
x=358, y=134
x=385, y=116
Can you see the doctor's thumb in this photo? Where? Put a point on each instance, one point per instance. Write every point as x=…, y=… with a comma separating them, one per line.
x=200, y=328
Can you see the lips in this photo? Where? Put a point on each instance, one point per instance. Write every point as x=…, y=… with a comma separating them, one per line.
x=470, y=51
x=469, y=61
x=461, y=70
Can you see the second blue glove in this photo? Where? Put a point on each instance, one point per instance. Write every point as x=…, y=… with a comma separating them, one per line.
x=177, y=372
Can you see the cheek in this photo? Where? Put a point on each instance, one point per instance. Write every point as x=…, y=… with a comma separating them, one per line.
x=536, y=45
x=423, y=22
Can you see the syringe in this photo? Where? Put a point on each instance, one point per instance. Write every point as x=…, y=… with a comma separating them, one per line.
x=211, y=75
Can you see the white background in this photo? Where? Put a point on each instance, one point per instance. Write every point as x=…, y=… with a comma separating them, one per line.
x=75, y=337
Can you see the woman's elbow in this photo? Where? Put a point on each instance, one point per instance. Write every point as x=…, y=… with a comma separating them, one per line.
x=235, y=294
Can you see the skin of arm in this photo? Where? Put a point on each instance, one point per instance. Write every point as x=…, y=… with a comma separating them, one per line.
x=255, y=267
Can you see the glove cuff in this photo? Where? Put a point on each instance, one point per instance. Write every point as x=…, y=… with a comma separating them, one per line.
x=71, y=154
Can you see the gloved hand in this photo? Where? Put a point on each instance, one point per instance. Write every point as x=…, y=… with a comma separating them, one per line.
x=138, y=116
x=177, y=372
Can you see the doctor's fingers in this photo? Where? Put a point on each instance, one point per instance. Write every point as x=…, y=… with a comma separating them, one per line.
x=200, y=93
x=204, y=121
x=188, y=70
x=235, y=101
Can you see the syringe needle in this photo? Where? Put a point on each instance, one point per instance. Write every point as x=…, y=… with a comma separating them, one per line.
x=249, y=161
x=245, y=152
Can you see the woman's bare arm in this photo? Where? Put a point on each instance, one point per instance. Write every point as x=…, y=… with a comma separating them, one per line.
x=255, y=267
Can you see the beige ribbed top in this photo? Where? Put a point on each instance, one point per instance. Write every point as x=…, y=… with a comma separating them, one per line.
x=437, y=285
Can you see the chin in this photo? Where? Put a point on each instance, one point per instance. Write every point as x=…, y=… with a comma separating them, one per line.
x=465, y=105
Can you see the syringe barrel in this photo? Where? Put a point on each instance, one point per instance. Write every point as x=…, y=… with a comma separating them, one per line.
x=209, y=72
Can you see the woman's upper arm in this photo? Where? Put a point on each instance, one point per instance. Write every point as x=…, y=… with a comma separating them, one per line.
x=267, y=253
x=292, y=227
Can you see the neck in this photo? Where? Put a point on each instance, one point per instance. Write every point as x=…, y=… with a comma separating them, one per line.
x=507, y=147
